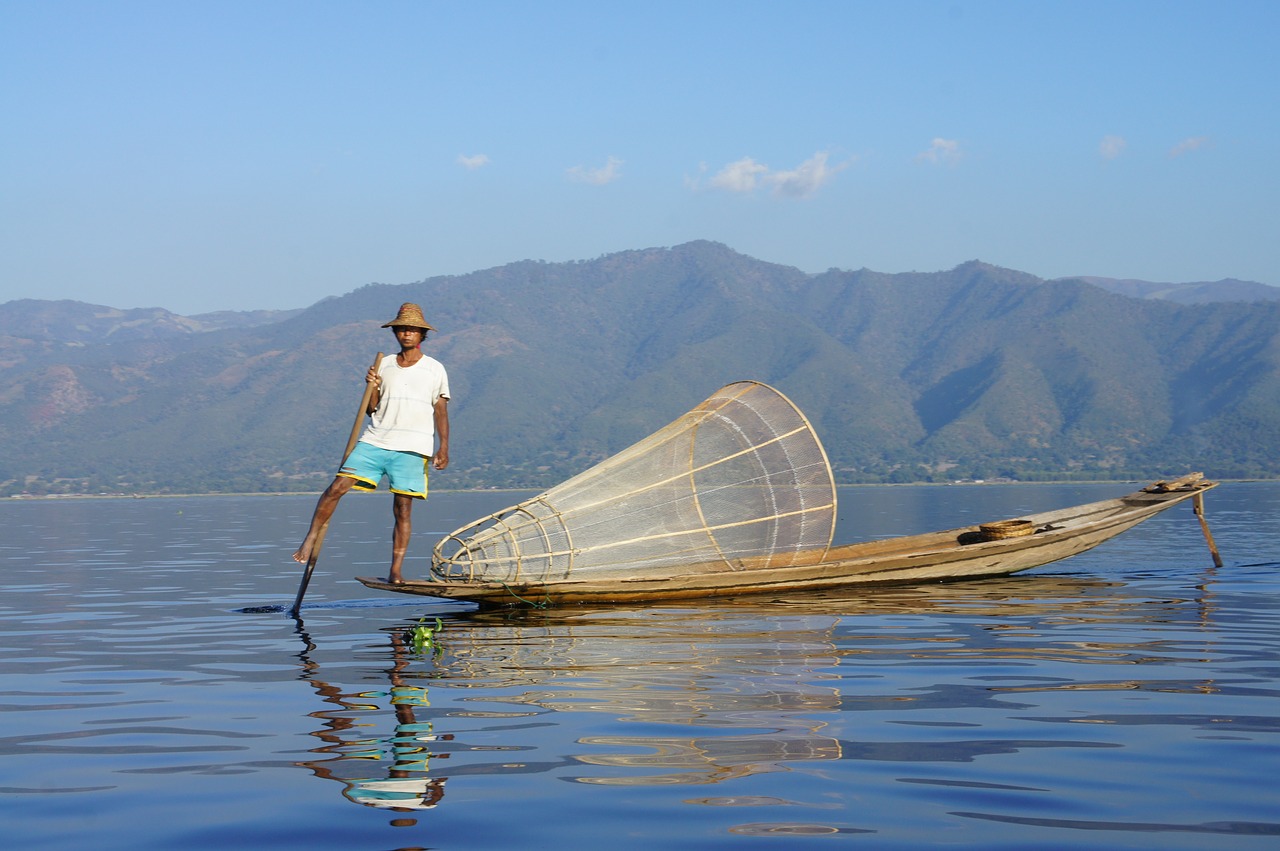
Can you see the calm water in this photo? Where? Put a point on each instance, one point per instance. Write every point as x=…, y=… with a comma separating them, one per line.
x=1126, y=698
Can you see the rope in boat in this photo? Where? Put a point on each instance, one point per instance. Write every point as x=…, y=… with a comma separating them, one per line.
x=545, y=604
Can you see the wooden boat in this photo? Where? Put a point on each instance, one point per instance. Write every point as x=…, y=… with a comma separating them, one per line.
x=994, y=549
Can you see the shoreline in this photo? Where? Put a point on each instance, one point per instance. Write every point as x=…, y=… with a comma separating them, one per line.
x=959, y=483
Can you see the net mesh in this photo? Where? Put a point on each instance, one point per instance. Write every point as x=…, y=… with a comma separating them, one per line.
x=739, y=479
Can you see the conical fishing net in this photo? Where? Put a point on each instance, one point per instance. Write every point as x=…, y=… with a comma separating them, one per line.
x=740, y=481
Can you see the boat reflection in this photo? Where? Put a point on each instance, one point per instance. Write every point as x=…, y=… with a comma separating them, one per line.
x=740, y=688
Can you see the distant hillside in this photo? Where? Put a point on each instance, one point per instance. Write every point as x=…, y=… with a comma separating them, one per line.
x=974, y=372
x=1200, y=292
x=29, y=327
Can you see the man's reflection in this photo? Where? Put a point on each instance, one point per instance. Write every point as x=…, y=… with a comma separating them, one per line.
x=400, y=780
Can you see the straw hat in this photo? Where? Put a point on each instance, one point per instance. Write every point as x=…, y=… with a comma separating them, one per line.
x=410, y=315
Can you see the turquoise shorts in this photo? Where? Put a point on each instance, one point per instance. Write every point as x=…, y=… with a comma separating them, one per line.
x=406, y=471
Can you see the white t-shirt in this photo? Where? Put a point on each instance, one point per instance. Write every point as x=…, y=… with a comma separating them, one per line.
x=405, y=417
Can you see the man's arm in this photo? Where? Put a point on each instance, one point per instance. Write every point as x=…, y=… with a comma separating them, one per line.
x=441, y=414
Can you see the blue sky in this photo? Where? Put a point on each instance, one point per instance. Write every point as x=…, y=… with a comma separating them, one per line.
x=205, y=156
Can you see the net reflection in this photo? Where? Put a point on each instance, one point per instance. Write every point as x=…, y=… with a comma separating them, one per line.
x=753, y=684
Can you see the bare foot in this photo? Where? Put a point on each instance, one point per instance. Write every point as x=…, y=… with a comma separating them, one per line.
x=303, y=553
x=395, y=580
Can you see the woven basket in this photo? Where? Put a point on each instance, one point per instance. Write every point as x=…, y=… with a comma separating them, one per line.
x=1006, y=529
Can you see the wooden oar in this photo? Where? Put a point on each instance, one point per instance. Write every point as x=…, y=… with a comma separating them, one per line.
x=1197, y=503
x=351, y=444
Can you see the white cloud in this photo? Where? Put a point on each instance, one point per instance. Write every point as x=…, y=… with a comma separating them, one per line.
x=473, y=162
x=608, y=173
x=741, y=176
x=1186, y=146
x=747, y=175
x=1111, y=147
x=806, y=178
x=942, y=152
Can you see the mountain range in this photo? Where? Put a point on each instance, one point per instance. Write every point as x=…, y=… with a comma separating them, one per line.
x=974, y=372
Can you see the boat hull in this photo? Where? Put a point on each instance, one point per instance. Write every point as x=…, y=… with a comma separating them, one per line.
x=952, y=554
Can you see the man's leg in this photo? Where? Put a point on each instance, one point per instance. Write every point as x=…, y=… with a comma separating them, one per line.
x=402, y=507
x=324, y=510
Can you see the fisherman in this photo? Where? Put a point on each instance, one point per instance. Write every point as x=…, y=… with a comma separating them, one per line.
x=410, y=413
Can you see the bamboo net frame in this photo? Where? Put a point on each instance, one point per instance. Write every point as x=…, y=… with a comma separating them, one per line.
x=740, y=478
